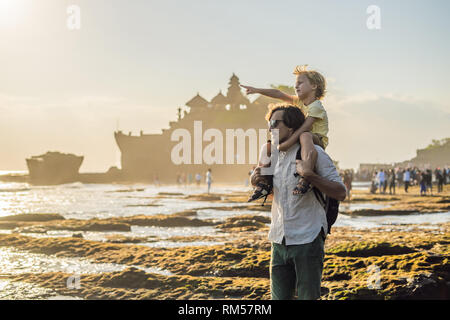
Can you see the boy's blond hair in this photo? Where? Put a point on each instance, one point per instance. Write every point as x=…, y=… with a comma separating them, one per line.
x=314, y=77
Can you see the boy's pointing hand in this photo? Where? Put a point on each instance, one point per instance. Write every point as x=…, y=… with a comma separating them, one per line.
x=249, y=90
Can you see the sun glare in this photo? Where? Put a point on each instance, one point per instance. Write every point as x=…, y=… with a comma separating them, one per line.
x=11, y=12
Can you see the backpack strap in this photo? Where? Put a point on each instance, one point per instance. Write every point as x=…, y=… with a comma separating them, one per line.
x=320, y=197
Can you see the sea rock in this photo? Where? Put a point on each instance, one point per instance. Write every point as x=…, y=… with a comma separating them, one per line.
x=34, y=217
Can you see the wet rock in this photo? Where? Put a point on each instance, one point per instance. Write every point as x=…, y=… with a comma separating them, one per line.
x=204, y=197
x=186, y=213
x=170, y=194
x=367, y=249
x=425, y=286
x=34, y=217
x=164, y=221
x=103, y=226
x=144, y=205
x=30, y=229
x=128, y=190
x=412, y=264
x=245, y=223
x=374, y=212
x=124, y=239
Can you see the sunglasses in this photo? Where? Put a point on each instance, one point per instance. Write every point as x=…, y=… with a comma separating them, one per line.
x=274, y=123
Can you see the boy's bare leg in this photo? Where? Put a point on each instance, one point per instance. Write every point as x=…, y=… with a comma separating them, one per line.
x=307, y=145
x=264, y=161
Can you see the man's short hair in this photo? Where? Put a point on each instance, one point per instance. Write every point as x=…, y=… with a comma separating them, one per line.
x=293, y=116
x=314, y=77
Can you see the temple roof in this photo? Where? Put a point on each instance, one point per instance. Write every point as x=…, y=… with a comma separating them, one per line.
x=220, y=99
x=234, y=93
x=197, y=101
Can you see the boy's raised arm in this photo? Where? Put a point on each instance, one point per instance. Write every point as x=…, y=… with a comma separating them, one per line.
x=272, y=93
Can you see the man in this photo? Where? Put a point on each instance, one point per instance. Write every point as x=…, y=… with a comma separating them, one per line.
x=208, y=179
x=406, y=179
x=430, y=181
x=348, y=178
x=391, y=179
x=381, y=180
x=299, y=224
x=440, y=179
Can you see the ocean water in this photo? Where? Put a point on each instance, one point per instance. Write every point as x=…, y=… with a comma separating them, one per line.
x=86, y=201
x=361, y=185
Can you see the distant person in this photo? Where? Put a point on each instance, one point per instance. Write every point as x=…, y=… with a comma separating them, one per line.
x=430, y=181
x=391, y=181
x=156, y=180
x=447, y=175
x=400, y=177
x=440, y=179
x=208, y=179
x=348, y=179
x=381, y=180
x=374, y=185
x=423, y=183
x=406, y=179
x=183, y=179
x=190, y=178
x=198, y=177
x=414, y=177
x=310, y=87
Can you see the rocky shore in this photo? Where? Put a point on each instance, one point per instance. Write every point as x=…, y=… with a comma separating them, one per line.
x=389, y=262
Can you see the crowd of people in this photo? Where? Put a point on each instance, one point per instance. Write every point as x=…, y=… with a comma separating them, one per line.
x=406, y=177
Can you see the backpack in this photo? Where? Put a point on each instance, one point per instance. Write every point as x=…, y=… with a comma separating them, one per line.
x=330, y=205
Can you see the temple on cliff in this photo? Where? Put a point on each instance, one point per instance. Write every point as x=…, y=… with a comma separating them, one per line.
x=147, y=156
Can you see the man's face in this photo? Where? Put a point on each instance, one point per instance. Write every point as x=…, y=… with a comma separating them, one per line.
x=303, y=87
x=283, y=131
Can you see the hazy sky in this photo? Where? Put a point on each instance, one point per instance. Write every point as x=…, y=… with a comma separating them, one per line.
x=135, y=62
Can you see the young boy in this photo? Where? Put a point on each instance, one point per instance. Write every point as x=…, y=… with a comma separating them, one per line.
x=310, y=87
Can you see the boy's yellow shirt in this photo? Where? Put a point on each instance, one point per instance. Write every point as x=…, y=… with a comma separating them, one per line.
x=317, y=111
